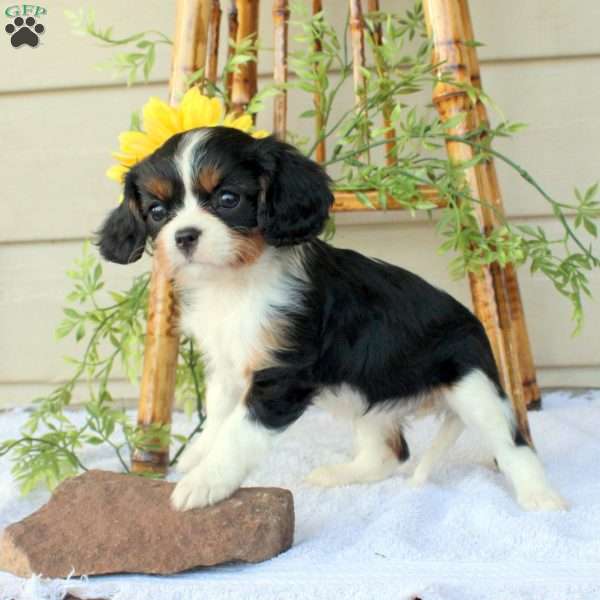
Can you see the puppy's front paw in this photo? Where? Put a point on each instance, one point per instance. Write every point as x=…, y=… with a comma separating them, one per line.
x=199, y=488
x=196, y=451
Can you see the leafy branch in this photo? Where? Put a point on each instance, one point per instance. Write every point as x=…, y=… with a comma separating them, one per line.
x=414, y=137
x=142, y=56
x=112, y=325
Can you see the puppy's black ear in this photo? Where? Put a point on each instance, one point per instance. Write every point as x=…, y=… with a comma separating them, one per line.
x=295, y=203
x=122, y=237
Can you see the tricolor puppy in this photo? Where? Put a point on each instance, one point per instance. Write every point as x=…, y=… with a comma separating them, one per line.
x=285, y=321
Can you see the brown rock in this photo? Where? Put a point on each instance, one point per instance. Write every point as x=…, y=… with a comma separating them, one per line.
x=102, y=522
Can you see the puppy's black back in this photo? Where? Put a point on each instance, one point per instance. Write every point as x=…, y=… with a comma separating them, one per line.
x=382, y=330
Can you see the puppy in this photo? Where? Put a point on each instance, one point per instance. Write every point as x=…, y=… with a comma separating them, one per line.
x=285, y=321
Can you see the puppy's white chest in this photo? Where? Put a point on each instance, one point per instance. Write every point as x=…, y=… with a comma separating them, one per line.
x=225, y=324
x=231, y=317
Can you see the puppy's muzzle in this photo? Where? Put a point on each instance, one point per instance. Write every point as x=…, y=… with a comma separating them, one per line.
x=187, y=240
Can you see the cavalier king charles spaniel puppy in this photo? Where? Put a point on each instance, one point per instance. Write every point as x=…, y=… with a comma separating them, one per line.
x=285, y=320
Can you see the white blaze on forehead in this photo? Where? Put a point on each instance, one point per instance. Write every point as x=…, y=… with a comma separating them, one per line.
x=216, y=245
x=185, y=163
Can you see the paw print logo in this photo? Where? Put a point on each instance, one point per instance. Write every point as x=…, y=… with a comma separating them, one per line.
x=24, y=31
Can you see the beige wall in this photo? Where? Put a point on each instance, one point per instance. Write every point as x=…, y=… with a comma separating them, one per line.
x=59, y=119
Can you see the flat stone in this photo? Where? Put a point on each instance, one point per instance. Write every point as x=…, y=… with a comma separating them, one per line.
x=102, y=522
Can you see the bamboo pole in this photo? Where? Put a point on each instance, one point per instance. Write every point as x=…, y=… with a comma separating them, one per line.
x=531, y=391
x=321, y=149
x=281, y=15
x=391, y=157
x=232, y=28
x=244, y=79
x=162, y=335
x=490, y=297
x=357, y=39
x=214, y=28
x=189, y=48
x=523, y=355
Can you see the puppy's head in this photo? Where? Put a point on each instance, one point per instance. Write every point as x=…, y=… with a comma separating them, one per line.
x=217, y=197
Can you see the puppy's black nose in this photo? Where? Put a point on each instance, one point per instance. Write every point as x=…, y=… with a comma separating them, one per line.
x=187, y=239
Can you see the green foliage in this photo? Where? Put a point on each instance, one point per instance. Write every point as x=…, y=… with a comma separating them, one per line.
x=391, y=112
x=242, y=52
x=142, y=46
x=110, y=326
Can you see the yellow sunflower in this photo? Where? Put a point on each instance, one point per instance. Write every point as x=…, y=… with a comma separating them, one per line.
x=161, y=121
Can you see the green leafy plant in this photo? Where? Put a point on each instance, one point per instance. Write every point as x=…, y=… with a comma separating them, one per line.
x=145, y=43
x=389, y=121
x=401, y=69
x=112, y=327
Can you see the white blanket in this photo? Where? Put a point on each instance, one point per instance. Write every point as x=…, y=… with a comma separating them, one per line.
x=461, y=536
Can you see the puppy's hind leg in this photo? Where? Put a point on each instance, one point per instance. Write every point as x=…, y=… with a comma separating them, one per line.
x=447, y=435
x=379, y=446
x=477, y=402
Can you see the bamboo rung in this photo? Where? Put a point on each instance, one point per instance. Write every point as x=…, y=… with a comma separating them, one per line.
x=348, y=201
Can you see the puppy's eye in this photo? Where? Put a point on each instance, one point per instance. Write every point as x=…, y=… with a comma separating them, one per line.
x=158, y=212
x=228, y=200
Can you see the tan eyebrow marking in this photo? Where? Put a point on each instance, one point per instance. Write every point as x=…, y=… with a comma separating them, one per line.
x=208, y=178
x=161, y=188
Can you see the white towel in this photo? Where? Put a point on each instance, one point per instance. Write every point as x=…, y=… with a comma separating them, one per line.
x=461, y=536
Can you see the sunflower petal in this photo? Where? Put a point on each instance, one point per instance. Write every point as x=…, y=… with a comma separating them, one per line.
x=137, y=143
x=117, y=173
x=161, y=121
x=193, y=109
x=127, y=160
x=214, y=114
x=242, y=122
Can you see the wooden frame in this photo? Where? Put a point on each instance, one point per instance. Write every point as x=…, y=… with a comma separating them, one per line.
x=496, y=295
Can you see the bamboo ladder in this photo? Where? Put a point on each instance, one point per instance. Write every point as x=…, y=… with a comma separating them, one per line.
x=496, y=296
